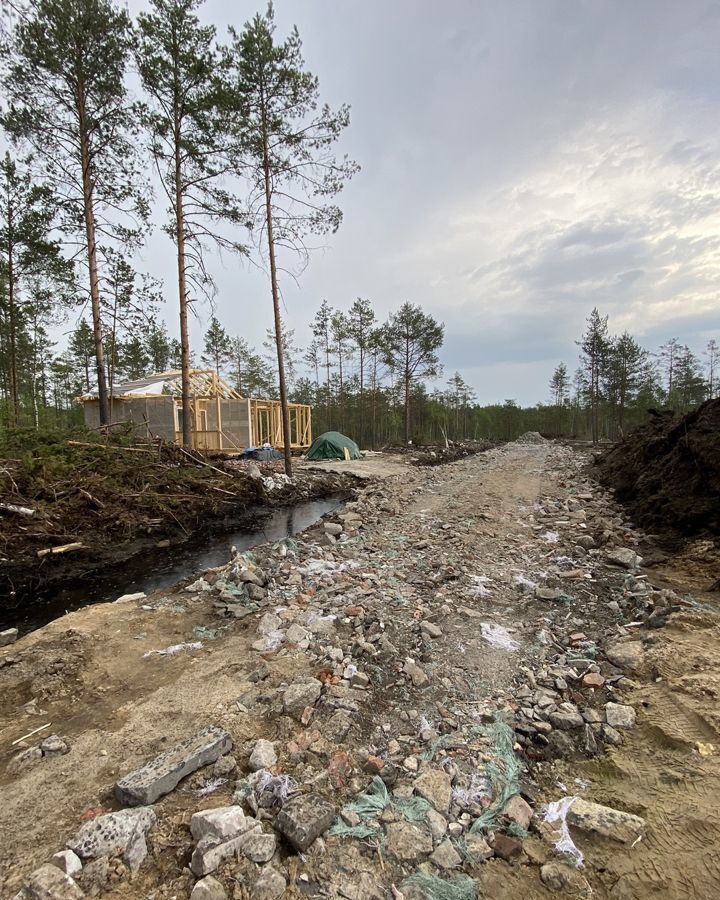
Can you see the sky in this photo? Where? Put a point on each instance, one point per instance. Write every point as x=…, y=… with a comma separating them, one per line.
x=521, y=163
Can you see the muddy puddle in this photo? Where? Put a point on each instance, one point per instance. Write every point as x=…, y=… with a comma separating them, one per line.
x=155, y=569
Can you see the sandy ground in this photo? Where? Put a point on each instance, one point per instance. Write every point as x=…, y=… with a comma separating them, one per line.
x=372, y=466
x=87, y=675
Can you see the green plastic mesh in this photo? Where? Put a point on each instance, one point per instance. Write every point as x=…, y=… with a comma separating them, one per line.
x=440, y=743
x=434, y=888
x=372, y=802
x=517, y=831
x=413, y=809
x=503, y=772
x=361, y=832
x=367, y=806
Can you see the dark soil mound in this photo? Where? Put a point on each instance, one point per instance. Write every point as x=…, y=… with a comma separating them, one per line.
x=668, y=471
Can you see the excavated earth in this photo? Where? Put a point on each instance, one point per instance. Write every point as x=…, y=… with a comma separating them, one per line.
x=668, y=472
x=458, y=648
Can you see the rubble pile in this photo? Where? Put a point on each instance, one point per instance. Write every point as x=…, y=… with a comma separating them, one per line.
x=415, y=697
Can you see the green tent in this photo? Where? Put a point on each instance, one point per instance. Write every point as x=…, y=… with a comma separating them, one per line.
x=332, y=445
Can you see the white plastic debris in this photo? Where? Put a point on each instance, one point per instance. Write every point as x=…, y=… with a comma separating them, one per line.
x=479, y=586
x=525, y=583
x=550, y=537
x=557, y=812
x=211, y=787
x=174, y=648
x=498, y=636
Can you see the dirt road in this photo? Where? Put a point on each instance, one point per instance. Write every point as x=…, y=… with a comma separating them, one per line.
x=439, y=599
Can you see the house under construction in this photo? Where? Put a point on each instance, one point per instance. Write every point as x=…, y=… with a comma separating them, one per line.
x=222, y=419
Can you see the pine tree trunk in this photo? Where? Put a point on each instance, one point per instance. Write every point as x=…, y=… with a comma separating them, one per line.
x=187, y=430
x=89, y=215
x=407, y=407
x=12, y=329
x=276, y=312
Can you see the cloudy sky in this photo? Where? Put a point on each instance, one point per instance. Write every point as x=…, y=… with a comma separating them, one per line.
x=522, y=161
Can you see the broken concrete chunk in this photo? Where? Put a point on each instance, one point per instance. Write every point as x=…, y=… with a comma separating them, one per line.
x=435, y=786
x=8, y=636
x=67, y=861
x=54, y=745
x=478, y=847
x=49, y=883
x=270, y=885
x=162, y=774
x=113, y=832
x=208, y=888
x=416, y=674
x=603, y=820
x=627, y=655
x=619, y=716
x=136, y=851
x=624, y=557
x=431, y=629
x=223, y=823
x=296, y=634
x=212, y=852
x=300, y=694
x=547, y=593
x=517, y=810
x=408, y=842
x=559, y=877
x=303, y=819
x=446, y=856
x=263, y=756
x=258, y=846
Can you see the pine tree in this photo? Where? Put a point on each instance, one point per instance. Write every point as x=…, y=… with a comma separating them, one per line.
x=286, y=154
x=217, y=350
x=593, y=354
x=252, y=376
x=360, y=323
x=188, y=121
x=81, y=349
x=712, y=352
x=28, y=250
x=69, y=102
x=410, y=342
x=668, y=356
x=625, y=371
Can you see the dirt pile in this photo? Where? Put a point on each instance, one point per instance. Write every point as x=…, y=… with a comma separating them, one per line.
x=668, y=471
x=439, y=454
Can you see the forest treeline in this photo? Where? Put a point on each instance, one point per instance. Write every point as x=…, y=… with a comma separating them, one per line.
x=242, y=154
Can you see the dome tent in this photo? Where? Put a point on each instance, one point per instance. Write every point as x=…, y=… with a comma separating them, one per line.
x=333, y=445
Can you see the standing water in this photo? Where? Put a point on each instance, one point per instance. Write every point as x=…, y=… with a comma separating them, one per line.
x=157, y=569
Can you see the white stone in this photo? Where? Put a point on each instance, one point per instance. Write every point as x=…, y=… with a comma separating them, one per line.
x=208, y=888
x=67, y=861
x=619, y=716
x=223, y=822
x=263, y=756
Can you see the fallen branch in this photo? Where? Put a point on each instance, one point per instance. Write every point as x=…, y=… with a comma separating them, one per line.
x=94, y=500
x=110, y=447
x=65, y=548
x=18, y=510
x=30, y=734
x=201, y=462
